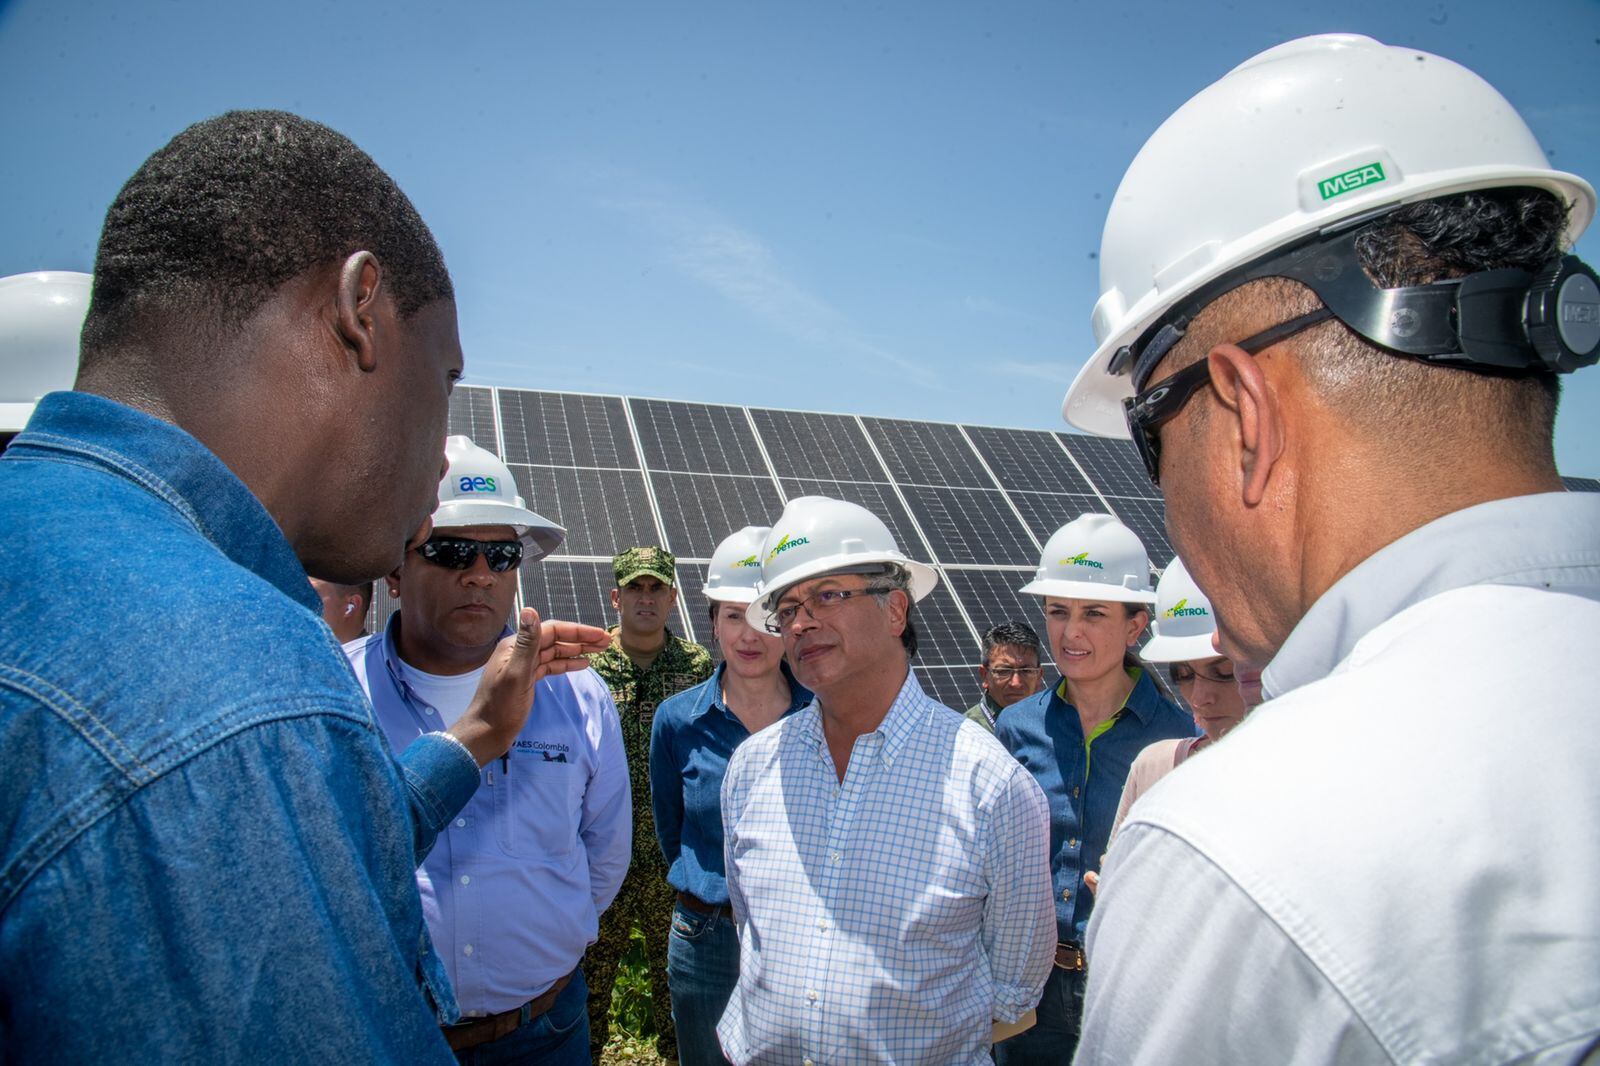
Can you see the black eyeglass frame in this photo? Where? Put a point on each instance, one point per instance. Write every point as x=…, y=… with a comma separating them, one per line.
x=459, y=553
x=776, y=623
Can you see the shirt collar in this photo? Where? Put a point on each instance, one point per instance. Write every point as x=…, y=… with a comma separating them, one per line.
x=1144, y=699
x=799, y=695
x=898, y=725
x=1542, y=541
x=173, y=466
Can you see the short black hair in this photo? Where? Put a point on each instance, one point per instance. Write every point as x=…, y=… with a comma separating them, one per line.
x=235, y=206
x=1011, y=635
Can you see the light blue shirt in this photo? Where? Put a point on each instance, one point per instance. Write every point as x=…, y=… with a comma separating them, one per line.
x=889, y=917
x=515, y=885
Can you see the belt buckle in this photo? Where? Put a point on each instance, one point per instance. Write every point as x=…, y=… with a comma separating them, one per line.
x=1074, y=957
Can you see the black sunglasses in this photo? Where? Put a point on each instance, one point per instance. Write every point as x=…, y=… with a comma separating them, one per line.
x=1160, y=403
x=458, y=553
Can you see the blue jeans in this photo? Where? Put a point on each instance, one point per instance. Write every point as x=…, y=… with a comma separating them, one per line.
x=702, y=968
x=558, y=1037
x=1054, y=1037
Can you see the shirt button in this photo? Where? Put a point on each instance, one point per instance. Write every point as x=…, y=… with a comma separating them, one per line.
x=835, y=857
x=1066, y=893
x=427, y=710
x=1072, y=843
x=466, y=880
x=467, y=950
x=461, y=823
x=822, y=923
x=808, y=1062
x=811, y=994
x=1074, y=791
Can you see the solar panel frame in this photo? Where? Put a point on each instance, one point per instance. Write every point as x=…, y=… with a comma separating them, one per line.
x=566, y=429
x=963, y=525
x=927, y=453
x=696, y=437
x=603, y=510
x=811, y=445
x=1582, y=484
x=699, y=510
x=1046, y=512
x=1028, y=459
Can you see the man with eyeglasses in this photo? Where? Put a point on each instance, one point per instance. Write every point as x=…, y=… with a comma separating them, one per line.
x=1340, y=360
x=1010, y=670
x=514, y=888
x=887, y=862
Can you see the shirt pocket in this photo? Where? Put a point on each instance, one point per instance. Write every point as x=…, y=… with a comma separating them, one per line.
x=538, y=807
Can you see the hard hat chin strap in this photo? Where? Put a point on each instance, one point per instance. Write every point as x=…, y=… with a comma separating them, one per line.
x=1506, y=321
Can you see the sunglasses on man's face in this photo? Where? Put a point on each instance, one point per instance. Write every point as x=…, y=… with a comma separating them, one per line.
x=458, y=553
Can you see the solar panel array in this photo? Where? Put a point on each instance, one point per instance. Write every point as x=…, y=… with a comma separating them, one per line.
x=978, y=502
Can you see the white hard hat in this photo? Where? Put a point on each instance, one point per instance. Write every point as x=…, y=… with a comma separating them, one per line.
x=478, y=490
x=1184, y=621
x=735, y=569
x=1094, y=557
x=1305, y=134
x=817, y=536
x=41, y=316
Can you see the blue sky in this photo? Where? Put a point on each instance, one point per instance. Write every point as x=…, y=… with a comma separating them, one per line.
x=883, y=208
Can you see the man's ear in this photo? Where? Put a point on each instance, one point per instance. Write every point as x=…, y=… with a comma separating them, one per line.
x=355, y=306
x=392, y=579
x=898, y=603
x=1245, y=394
x=616, y=599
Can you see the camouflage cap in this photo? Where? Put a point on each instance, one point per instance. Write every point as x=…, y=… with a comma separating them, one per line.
x=637, y=562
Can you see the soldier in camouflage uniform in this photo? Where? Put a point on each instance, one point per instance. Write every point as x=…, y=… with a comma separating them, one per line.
x=644, y=665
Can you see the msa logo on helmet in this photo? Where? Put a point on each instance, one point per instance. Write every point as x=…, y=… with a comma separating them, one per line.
x=748, y=560
x=476, y=484
x=1181, y=609
x=1351, y=180
x=1082, y=559
x=785, y=544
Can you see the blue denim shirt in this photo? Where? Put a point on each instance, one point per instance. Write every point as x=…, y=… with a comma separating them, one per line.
x=691, y=740
x=1083, y=779
x=207, y=849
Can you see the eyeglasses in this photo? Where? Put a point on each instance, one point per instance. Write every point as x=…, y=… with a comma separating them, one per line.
x=1003, y=674
x=819, y=605
x=1151, y=409
x=458, y=553
x=1184, y=674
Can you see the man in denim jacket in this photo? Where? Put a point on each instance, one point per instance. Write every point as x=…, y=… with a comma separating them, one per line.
x=207, y=850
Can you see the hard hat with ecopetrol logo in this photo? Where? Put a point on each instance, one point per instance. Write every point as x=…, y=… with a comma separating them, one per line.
x=1184, y=622
x=817, y=536
x=478, y=490
x=735, y=569
x=1320, y=134
x=1094, y=557
x=41, y=316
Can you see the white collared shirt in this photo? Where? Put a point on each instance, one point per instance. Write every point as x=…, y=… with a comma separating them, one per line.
x=889, y=917
x=1396, y=859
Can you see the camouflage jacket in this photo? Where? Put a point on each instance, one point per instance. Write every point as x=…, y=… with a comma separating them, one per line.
x=682, y=664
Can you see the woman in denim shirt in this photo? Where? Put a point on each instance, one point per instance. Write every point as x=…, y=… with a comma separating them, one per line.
x=691, y=740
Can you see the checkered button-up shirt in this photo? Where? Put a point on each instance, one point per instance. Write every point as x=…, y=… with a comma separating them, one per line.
x=889, y=917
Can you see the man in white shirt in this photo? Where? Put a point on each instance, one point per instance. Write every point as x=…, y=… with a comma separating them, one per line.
x=1394, y=858
x=887, y=861
x=514, y=887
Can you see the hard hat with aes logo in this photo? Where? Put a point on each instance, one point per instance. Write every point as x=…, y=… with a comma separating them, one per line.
x=1093, y=557
x=817, y=536
x=41, y=316
x=735, y=569
x=478, y=490
x=1184, y=622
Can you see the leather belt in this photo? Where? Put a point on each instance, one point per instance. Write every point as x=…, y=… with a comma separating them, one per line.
x=1069, y=956
x=482, y=1030
x=700, y=906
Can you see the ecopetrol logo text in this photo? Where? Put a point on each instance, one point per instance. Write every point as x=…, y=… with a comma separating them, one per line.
x=1181, y=609
x=785, y=544
x=477, y=484
x=1082, y=559
x=748, y=560
x=1350, y=180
